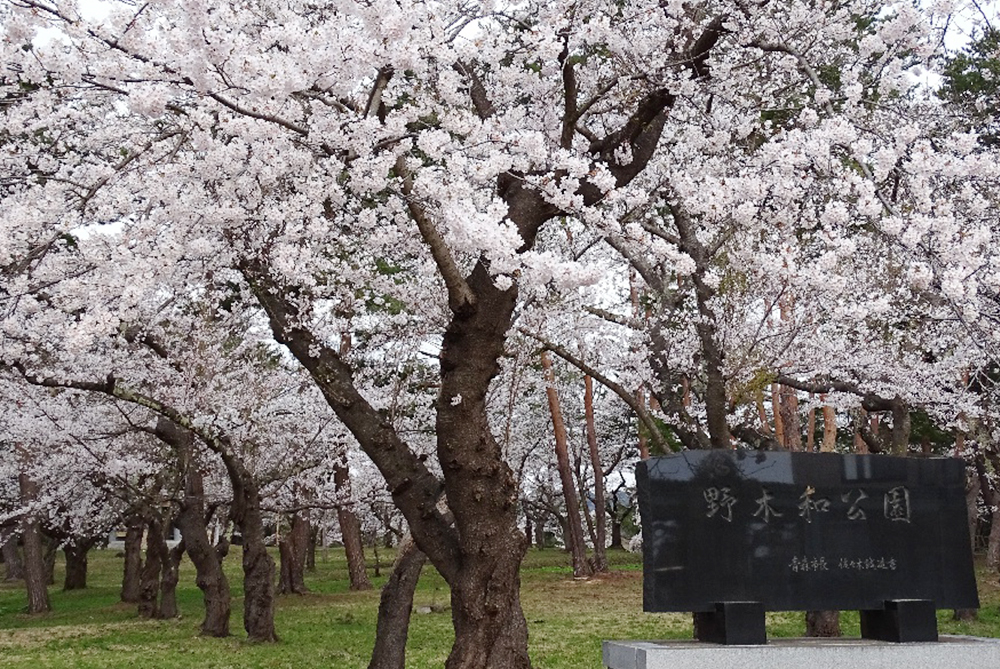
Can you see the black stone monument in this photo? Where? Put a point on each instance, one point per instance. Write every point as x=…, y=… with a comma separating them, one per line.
x=736, y=533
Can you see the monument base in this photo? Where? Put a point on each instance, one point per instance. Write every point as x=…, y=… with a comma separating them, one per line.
x=949, y=651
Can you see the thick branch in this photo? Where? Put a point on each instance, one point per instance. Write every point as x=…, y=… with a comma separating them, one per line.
x=413, y=487
x=869, y=401
x=460, y=296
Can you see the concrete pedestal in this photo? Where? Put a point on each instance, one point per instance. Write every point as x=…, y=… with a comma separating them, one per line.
x=949, y=651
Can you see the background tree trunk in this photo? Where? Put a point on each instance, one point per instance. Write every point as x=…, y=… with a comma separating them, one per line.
x=168, y=581
x=258, y=567
x=210, y=577
x=131, y=586
x=600, y=507
x=790, y=420
x=76, y=564
x=823, y=623
x=13, y=565
x=395, y=606
x=574, y=526
x=192, y=521
x=993, y=544
x=350, y=532
x=292, y=550
x=35, y=580
x=152, y=568
x=50, y=547
x=829, y=444
x=311, y=549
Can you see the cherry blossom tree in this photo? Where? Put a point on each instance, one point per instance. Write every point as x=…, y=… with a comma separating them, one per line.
x=415, y=164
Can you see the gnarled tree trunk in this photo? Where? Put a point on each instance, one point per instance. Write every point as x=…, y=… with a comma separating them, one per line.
x=192, y=521
x=50, y=547
x=258, y=567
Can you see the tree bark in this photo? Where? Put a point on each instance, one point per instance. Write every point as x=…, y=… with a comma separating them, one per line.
x=779, y=424
x=350, y=532
x=574, y=526
x=152, y=568
x=395, y=606
x=13, y=565
x=131, y=586
x=311, y=549
x=192, y=521
x=168, y=582
x=790, y=419
x=76, y=564
x=993, y=543
x=35, y=580
x=50, y=547
x=900, y=427
x=258, y=567
x=823, y=624
x=616, y=533
x=210, y=577
x=716, y=402
x=829, y=430
x=600, y=507
x=292, y=549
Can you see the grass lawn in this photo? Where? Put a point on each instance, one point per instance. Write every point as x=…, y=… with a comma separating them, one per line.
x=333, y=627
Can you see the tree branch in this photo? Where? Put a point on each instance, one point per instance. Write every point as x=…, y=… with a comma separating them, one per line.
x=414, y=488
x=627, y=397
x=461, y=299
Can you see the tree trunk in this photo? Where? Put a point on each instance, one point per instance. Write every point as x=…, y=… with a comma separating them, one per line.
x=829, y=429
x=900, y=427
x=258, y=567
x=168, y=581
x=292, y=549
x=993, y=544
x=50, y=547
x=76, y=564
x=779, y=424
x=600, y=508
x=152, y=568
x=810, y=430
x=823, y=623
x=395, y=606
x=207, y=561
x=13, y=564
x=574, y=526
x=131, y=585
x=35, y=580
x=616, y=532
x=350, y=532
x=972, y=506
x=790, y=420
x=192, y=521
x=540, y=531
x=311, y=549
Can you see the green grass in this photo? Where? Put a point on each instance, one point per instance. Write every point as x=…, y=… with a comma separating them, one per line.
x=333, y=627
